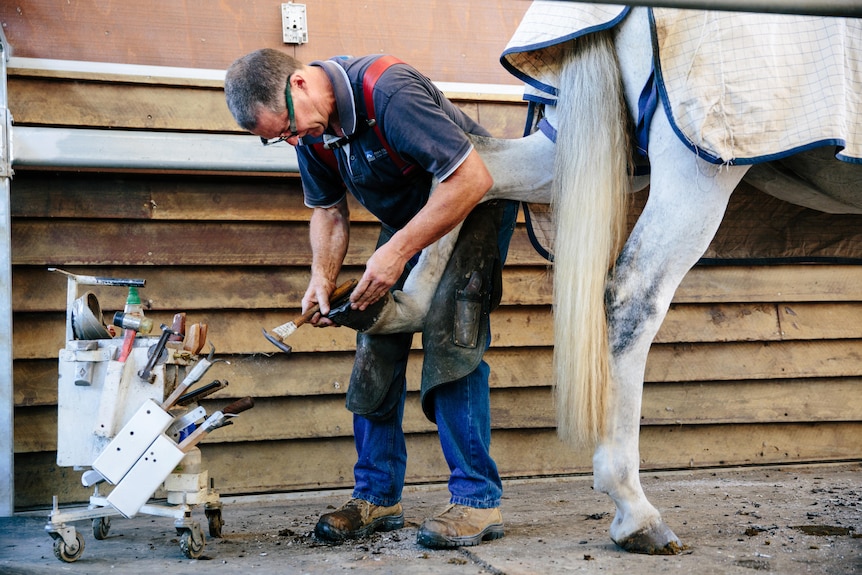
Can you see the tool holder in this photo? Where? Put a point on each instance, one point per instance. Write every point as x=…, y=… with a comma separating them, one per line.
x=115, y=426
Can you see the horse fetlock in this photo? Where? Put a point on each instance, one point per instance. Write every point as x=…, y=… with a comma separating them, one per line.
x=400, y=313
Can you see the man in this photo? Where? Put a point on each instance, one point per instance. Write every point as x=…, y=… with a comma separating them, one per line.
x=279, y=99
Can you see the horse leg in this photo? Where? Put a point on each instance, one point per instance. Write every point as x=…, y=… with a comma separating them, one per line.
x=686, y=203
x=522, y=169
x=404, y=311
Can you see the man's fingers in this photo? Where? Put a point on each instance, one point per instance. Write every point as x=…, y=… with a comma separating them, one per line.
x=362, y=291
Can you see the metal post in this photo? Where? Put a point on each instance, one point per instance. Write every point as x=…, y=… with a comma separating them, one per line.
x=840, y=8
x=7, y=402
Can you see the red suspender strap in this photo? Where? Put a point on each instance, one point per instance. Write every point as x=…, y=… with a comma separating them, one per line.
x=369, y=80
x=326, y=156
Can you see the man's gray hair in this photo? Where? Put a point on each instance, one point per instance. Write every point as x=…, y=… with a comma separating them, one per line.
x=256, y=81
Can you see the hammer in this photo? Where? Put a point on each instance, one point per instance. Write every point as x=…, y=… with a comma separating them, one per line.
x=283, y=331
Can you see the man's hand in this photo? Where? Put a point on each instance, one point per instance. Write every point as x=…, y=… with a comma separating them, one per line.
x=382, y=270
x=318, y=293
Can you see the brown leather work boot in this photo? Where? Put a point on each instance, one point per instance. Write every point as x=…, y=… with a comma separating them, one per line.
x=461, y=526
x=358, y=518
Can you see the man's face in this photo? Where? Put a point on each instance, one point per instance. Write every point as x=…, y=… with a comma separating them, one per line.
x=301, y=116
x=274, y=128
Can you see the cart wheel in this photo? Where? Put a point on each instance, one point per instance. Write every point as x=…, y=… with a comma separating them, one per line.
x=192, y=543
x=69, y=553
x=215, y=522
x=101, y=526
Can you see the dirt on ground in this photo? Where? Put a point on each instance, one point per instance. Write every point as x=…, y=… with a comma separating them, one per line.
x=789, y=520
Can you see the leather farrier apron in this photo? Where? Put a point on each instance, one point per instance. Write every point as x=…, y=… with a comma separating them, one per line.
x=457, y=330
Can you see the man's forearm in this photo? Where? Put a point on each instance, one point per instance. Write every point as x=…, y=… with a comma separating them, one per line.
x=329, y=233
x=448, y=205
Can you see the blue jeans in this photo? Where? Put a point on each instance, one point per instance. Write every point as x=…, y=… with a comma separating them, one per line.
x=462, y=410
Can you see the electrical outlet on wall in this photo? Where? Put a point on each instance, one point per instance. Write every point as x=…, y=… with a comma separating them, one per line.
x=294, y=24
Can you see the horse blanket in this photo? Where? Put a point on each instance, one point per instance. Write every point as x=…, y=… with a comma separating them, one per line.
x=739, y=88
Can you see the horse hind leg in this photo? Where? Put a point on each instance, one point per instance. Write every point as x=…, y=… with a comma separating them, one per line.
x=522, y=169
x=685, y=207
x=404, y=311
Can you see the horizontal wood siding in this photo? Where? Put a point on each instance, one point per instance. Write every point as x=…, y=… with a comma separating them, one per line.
x=754, y=364
x=449, y=40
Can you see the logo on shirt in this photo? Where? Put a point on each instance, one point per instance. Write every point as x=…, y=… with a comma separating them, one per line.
x=372, y=155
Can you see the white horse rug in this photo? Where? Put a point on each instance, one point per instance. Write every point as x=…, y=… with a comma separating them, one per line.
x=741, y=88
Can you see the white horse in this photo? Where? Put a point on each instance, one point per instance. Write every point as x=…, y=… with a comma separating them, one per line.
x=611, y=294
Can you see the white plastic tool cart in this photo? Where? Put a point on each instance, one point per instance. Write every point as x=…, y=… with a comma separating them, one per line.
x=129, y=422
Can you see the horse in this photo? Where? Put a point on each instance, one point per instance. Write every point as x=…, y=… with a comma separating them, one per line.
x=611, y=293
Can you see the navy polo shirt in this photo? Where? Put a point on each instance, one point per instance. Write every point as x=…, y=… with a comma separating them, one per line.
x=419, y=123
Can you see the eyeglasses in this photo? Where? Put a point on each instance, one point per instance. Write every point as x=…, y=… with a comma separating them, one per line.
x=290, y=117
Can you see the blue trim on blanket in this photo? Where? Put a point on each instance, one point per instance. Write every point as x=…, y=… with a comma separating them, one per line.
x=836, y=142
x=848, y=159
x=540, y=100
x=531, y=114
x=712, y=159
x=551, y=133
x=546, y=128
x=541, y=86
x=531, y=234
x=647, y=105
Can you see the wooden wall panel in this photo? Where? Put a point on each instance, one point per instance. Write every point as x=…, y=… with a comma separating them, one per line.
x=239, y=332
x=129, y=102
x=125, y=242
x=327, y=463
x=294, y=417
x=450, y=41
x=755, y=364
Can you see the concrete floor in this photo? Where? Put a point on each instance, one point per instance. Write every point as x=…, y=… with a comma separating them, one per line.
x=790, y=520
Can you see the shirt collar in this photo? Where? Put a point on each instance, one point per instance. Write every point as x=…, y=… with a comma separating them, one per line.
x=343, y=94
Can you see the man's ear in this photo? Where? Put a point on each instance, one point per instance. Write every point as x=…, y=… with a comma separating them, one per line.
x=298, y=81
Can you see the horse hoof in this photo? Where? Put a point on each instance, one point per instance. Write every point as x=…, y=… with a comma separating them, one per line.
x=657, y=539
x=361, y=321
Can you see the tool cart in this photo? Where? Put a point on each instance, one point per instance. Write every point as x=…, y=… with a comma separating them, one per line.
x=128, y=421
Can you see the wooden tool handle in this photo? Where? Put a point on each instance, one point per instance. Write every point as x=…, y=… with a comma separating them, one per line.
x=239, y=406
x=343, y=290
x=178, y=326
x=339, y=293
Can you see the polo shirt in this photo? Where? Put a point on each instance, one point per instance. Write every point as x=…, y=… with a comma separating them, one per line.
x=418, y=122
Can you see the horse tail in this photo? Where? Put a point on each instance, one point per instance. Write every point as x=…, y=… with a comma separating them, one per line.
x=590, y=186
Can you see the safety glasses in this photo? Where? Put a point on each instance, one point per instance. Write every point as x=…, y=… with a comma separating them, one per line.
x=290, y=117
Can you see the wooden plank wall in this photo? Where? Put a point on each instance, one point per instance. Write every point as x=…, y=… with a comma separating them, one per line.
x=450, y=40
x=754, y=365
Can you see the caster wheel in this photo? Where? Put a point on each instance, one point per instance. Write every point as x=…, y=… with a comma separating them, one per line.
x=192, y=544
x=215, y=522
x=69, y=553
x=101, y=526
